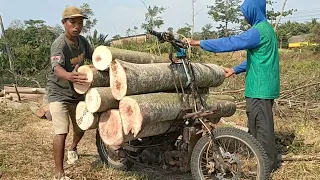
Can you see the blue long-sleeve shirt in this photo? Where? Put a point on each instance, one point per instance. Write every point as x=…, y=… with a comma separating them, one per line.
x=246, y=40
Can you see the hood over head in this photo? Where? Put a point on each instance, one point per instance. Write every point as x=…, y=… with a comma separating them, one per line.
x=254, y=11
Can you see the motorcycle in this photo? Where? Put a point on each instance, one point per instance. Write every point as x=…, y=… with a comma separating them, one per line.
x=198, y=144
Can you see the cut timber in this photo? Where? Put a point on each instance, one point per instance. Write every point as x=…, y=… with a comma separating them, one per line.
x=139, y=110
x=100, y=99
x=86, y=120
x=152, y=129
x=14, y=96
x=129, y=79
x=103, y=55
x=95, y=79
x=38, y=111
x=110, y=127
x=24, y=90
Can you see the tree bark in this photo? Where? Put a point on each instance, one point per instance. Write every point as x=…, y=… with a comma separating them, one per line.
x=152, y=129
x=110, y=127
x=24, y=90
x=100, y=99
x=95, y=78
x=139, y=110
x=86, y=120
x=102, y=57
x=129, y=79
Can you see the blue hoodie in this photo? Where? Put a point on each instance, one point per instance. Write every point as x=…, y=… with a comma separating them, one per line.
x=254, y=12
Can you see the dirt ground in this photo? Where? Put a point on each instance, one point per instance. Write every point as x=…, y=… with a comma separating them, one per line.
x=26, y=151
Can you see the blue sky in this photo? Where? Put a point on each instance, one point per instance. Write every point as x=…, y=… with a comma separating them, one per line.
x=116, y=16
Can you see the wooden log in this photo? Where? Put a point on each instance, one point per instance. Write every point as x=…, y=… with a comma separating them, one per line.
x=152, y=129
x=100, y=99
x=139, y=110
x=14, y=96
x=110, y=127
x=24, y=90
x=36, y=110
x=129, y=79
x=103, y=55
x=95, y=79
x=86, y=120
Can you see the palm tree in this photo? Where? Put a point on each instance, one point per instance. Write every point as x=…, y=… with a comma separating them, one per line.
x=98, y=39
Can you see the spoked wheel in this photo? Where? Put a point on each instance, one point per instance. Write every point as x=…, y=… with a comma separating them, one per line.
x=109, y=157
x=243, y=154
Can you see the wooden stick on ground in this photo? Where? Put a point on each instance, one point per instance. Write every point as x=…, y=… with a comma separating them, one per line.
x=24, y=90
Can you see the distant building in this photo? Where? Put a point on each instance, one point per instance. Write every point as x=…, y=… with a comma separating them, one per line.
x=139, y=38
x=299, y=41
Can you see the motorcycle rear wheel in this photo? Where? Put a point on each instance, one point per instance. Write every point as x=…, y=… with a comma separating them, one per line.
x=110, y=158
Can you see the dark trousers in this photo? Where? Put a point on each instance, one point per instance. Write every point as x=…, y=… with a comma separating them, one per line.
x=261, y=126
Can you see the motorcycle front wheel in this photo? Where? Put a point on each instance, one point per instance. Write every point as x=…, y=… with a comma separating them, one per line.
x=244, y=155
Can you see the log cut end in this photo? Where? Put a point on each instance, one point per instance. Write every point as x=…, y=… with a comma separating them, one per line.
x=101, y=58
x=83, y=88
x=131, y=116
x=93, y=100
x=118, y=80
x=110, y=128
x=85, y=120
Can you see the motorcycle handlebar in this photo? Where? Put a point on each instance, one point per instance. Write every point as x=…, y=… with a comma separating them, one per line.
x=168, y=37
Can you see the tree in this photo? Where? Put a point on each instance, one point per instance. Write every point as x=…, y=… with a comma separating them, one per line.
x=289, y=29
x=186, y=31
x=153, y=18
x=98, y=39
x=129, y=32
x=315, y=34
x=116, y=36
x=170, y=29
x=227, y=12
x=207, y=32
x=273, y=15
x=90, y=22
x=30, y=45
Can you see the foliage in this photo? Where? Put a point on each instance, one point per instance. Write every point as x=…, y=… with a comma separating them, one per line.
x=227, y=12
x=30, y=45
x=96, y=39
x=90, y=22
x=207, y=32
x=153, y=18
x=273, y=15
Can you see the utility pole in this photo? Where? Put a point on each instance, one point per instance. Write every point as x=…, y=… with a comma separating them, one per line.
x=193, y=17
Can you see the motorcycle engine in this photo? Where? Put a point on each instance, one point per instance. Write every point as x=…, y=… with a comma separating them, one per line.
x=150, y=155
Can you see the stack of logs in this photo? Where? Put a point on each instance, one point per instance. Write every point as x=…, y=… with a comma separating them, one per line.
x=132, y=95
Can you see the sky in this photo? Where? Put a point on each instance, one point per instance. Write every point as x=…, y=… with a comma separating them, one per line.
x=116, y=16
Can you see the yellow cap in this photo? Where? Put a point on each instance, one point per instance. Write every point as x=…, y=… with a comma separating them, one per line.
x=72, y=12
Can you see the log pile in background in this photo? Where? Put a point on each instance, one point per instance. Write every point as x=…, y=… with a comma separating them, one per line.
x=35, y=97
x=132, y=95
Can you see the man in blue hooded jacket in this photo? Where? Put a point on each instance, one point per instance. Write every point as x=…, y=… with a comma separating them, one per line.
x=262, y=84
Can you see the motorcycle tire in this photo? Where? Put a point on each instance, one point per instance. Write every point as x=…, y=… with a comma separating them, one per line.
x=233, y=133
x=114, y=161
